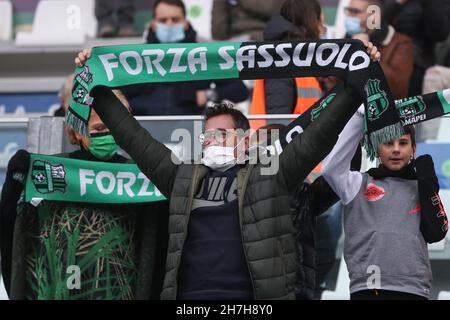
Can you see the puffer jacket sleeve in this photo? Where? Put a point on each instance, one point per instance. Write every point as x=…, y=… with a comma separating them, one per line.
x=152, y=157
x=322, y=196
x=309, y=148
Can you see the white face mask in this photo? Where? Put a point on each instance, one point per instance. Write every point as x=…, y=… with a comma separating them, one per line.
x=219, y=158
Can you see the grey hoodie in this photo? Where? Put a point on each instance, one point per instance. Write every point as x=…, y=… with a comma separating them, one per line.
x=384, y=247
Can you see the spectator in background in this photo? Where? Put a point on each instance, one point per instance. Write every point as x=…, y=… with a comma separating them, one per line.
x=298, y=20
x=107, y=26
x=436, y=78
x=169, y=25
x=64, y=95
x=242, y=19
x=426, y=22
x=396, y=48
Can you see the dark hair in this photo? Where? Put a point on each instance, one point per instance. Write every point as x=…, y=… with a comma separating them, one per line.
x=412, y=133
x=176, y=3
x=239, y=119
x=304, y=14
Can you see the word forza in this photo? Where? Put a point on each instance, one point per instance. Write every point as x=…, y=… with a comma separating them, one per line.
x=117, y=183
x=234, y=58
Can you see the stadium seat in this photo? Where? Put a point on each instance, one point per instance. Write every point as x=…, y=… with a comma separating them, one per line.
x=60, y=22
x=199, y=13
x=6, y=20
x=342, y=291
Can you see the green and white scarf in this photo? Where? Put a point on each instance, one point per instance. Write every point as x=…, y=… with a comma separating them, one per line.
x=117, y=66
x=64, y=179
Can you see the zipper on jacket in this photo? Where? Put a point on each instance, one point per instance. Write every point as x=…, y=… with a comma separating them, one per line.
x=244, y=185
x=191, y=199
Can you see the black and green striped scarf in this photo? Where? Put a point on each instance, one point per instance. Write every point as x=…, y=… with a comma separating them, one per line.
x=117, y=66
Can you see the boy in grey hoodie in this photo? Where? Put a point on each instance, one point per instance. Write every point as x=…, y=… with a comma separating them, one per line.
x=390, y=213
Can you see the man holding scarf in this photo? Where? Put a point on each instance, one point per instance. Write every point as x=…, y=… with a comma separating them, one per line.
x=230, y=229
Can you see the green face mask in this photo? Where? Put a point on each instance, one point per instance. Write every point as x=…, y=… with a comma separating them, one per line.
x=102, y=145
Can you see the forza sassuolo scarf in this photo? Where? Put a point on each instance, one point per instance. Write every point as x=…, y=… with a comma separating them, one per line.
x=410, y=110
x=63, y=179
x=117, y=66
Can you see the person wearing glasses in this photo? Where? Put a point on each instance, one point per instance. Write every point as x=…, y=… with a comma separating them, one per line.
x=230, y=230
x=363, y=23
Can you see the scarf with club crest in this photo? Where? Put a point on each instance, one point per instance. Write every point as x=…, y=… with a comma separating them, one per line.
x=118, y=66
x=64, y=179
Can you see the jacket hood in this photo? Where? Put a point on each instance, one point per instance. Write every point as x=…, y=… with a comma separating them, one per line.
x=190, y=36
x=277, y=27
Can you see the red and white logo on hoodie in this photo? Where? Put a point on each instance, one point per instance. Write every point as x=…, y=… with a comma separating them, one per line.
x=374, y=192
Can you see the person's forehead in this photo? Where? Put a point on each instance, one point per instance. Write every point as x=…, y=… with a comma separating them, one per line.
x=166, y=10
x=405, y=137
x=402, y=138
x=224, y=121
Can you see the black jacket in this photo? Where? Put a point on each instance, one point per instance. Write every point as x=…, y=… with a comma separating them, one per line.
x=179, y=98
x=308, y=202
x=426, y=22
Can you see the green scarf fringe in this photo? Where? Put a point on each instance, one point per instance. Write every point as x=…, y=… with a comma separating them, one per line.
x=372, y=140
x=77, y=124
